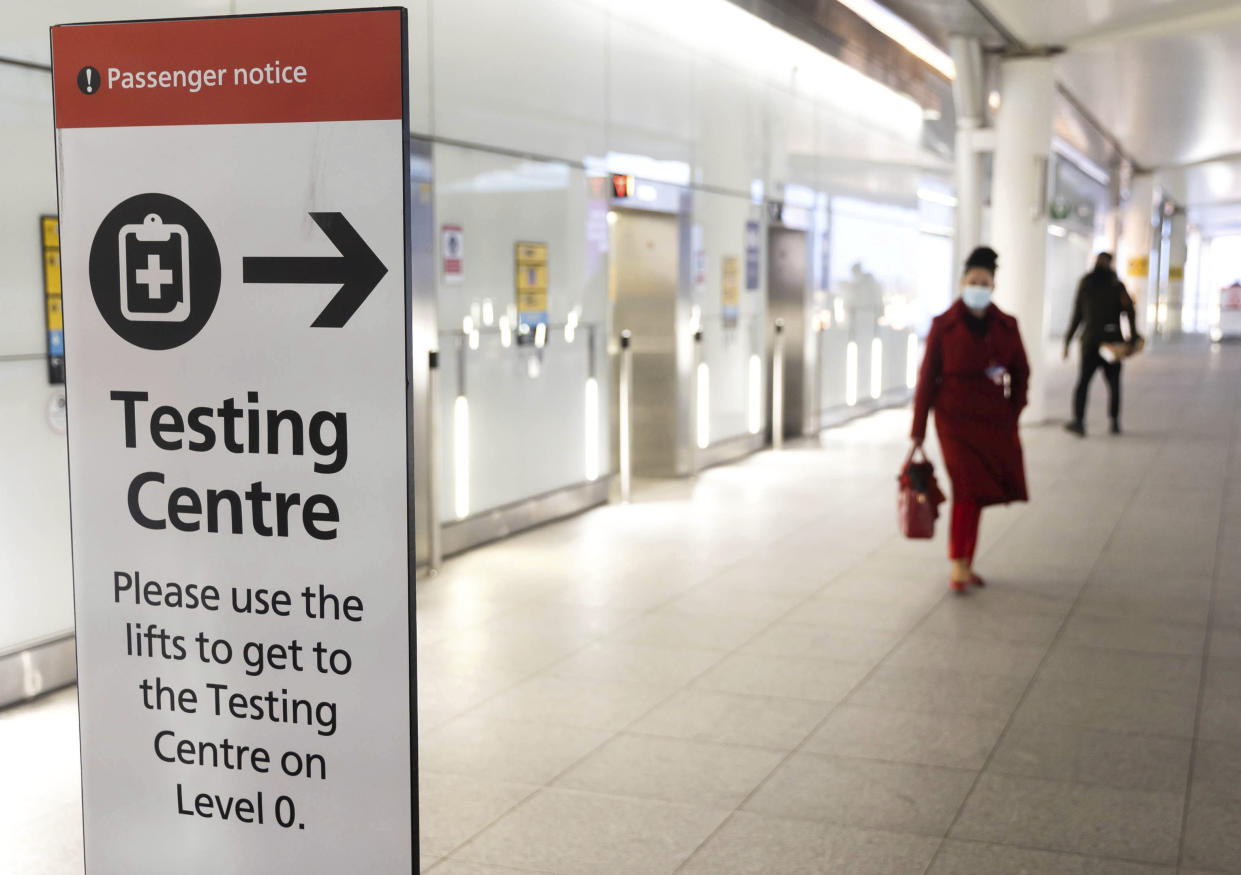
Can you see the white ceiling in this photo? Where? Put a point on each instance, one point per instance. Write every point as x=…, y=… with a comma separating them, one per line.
x=1162, y=76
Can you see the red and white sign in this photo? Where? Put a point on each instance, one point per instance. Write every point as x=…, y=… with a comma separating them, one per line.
x=452, y=252
x=1230, y=297
x=234, y=243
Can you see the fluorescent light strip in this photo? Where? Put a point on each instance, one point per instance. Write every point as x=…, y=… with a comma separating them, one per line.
x=1057, y=231
x=851, y=374
x=756, y=395
x=704, y=406
x=936, y=197
x=592, y=429
x=461, y=456
x=876, y=367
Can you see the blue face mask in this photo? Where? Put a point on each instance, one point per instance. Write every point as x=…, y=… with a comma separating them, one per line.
x=976, y=297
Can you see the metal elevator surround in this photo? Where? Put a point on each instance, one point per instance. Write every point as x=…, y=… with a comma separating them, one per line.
x=788, y=298
x=645, y=284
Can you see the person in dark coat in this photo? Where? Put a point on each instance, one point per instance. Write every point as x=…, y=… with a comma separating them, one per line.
x=1101, y=300
x=974, y=376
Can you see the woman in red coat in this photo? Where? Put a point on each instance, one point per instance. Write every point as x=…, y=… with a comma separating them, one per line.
x=974, y=376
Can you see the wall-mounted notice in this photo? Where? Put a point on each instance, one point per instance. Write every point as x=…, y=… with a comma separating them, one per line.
x=452, y=252
x=234, y=233
x=530, y=276
x=751, y=256
x=730, y=289
x=49, y=232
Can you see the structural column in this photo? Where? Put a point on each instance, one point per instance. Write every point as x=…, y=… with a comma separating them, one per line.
x=1019, y=207
x=969, y=101
x=1133, y=261
x=1178, y=252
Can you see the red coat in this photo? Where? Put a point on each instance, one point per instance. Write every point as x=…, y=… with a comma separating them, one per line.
x=977, y=388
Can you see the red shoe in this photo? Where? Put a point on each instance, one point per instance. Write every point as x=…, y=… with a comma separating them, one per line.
x=957, y=585
x=977, y=581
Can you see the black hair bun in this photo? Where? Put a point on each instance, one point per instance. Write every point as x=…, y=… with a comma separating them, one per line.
x=984, y=257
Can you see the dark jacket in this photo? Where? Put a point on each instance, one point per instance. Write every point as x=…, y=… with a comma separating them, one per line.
x=976, y=408
x=1101, y=299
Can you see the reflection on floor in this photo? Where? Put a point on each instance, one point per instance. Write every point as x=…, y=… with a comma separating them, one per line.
x=756, y=675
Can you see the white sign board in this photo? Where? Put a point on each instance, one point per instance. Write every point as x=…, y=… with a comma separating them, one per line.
x=233, y=204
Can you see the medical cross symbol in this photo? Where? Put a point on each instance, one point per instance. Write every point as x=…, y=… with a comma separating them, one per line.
x=153, y=277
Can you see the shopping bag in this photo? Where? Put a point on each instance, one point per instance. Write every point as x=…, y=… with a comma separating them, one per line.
x=918, y=497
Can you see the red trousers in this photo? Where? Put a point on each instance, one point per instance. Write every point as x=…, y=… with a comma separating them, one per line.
x=963, y=532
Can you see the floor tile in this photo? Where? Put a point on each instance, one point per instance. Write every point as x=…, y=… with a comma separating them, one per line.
x=822, y=642
x=1130, y=633
x=1072, y=663
x=975, y=858
x=1092, y=756
x=666, y=628
x=864, y=793
x=752, y=844
x=927, y=652
x=591, y=704
x=568, y=832
x=452, y=808
x=1213, y=834
x=954, y=740
x=1217, y=769
x=1121, y=709
x=940, y=692
x=761, y=721
x=1221, y=717
x=817, y=679
x=636, y=664
x=505, y=750
x=673, y=769
x=1084, y=819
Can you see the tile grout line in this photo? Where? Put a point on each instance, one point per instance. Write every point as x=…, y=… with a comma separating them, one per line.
x=1034, y=677
x=1234, y=436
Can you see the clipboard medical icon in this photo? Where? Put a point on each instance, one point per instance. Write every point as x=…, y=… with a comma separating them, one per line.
x=155, y=279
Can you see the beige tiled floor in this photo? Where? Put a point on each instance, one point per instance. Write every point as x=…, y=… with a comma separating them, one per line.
x=751, y=673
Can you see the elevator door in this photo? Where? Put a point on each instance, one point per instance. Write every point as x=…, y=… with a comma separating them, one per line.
x=787, y=289
x=645, y=269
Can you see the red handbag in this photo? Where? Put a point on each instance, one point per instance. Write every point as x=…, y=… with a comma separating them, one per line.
x=918, y=497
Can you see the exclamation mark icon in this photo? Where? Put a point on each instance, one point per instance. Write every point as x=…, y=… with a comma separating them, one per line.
x=88, y=80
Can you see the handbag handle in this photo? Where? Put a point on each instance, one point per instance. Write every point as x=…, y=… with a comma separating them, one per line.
x=916, y=448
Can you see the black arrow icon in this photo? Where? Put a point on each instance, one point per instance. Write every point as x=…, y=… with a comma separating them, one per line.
x=356, y=269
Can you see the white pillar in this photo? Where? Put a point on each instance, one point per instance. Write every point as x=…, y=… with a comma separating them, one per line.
x=1133, y=261
x=970, y=103
x=1178, y=251
x=1019, y=207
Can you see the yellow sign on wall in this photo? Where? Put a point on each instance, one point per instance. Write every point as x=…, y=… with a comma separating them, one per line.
x=49, y=227
x=1176, y=272
x=730, y=288
x=1139, y=266
x=530, y=283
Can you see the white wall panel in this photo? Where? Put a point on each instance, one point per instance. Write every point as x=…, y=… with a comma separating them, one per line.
x=527, y=427
x=524, y=76
x=36, y=589
x=650, y=95
x=731, y=133
x=36, y=583
x=727, y=349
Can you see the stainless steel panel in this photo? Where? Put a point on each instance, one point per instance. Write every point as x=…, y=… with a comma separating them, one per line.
x=788, y=291
x=645, y=284
x=38, y=669
x=504, y=521
x=422, y=340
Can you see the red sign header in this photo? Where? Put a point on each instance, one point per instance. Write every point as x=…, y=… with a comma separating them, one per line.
x=313, y=67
